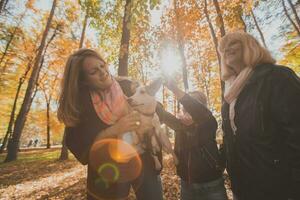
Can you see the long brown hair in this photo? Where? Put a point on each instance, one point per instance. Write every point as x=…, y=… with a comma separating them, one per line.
x=69, y=108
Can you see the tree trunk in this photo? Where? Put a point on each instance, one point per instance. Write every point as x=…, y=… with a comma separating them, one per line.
x=240, y=14
x=3, y=4
x=64, y=150
x=243, y=22
x=12, y=116
x=124, y=48
x=219, y=18
x=48, y=125
x=295, y=13
x=215, y=41
x=8, y=44
x=258, y=29
x=12, y=36
x=20, y=121
x=84, y=28
x=290, y=19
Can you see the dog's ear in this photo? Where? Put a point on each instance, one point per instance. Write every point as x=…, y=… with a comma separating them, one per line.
x=154, y=86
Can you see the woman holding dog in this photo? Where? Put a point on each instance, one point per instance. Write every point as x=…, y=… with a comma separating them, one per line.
x=261, y=121
x=195, y=146
x=92, y=106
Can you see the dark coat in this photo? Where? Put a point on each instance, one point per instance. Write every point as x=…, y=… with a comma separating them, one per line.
x=80, y=138
x=263, y=157
x=195, y=145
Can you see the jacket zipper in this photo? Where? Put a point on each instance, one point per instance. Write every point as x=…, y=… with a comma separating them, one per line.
x=189, y=164
x=189, y=161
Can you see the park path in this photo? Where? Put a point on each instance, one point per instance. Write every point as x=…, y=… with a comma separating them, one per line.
x=45, y=187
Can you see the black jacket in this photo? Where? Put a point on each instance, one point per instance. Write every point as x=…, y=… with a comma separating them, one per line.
x=195, y=145
x=263, y=157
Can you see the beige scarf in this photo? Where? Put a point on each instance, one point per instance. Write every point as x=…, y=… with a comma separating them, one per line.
x=233, y=87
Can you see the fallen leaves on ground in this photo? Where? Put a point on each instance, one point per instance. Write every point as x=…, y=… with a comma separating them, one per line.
x=52, y=179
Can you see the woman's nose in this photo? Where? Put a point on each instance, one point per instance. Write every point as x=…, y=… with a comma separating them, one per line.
x=102, y=71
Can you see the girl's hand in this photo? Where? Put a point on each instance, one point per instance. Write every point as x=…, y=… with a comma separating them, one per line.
x=171, y=85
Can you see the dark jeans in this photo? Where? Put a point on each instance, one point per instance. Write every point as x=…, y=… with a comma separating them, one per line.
x=213, y=190
x=146, y=187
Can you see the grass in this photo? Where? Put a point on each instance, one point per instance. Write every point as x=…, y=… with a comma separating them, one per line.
x=32, y=156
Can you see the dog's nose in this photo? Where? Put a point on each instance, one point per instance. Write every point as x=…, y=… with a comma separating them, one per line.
x=130, y=101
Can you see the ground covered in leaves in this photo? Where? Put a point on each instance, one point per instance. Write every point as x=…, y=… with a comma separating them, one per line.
x=39, y=175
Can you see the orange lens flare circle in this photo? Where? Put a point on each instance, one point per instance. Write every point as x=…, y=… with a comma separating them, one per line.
x=115, y=160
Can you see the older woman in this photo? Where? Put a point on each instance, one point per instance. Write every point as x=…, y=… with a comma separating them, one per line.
x=94, y=109
x=261, y=116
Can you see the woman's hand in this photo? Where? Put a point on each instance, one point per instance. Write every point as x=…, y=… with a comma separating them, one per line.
x=129, y=122
x=171, y=85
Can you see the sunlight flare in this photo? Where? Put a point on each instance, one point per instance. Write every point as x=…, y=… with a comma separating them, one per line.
x=170, y=61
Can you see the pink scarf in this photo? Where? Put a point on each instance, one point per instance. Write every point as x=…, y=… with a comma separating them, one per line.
x=111, y=104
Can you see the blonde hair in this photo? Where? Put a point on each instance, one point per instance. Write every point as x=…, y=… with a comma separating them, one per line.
x=72, y=81
x=253, y=52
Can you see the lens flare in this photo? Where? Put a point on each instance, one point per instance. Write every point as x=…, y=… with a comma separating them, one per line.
x=114, y=161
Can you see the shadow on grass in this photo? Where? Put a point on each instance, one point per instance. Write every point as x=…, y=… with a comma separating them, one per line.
x=32, y=165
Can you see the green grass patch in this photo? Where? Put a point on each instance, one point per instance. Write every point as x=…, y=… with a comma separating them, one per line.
x=33, y=156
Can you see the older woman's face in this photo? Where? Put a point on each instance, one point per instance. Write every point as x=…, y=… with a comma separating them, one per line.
x=96, y=74
x=233, y=55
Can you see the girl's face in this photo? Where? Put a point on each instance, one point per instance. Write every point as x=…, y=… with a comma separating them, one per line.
x=96, y=74
x=233, y=55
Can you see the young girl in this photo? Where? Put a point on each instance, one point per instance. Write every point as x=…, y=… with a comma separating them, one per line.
x=196, y=147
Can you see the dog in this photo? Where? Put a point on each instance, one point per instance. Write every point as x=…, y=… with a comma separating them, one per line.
x=143, y=101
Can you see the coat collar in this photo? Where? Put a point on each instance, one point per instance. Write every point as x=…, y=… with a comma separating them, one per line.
x=259, y=72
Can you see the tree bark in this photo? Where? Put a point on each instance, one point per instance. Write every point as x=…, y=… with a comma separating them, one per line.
x=258, y=29
x=219, y=17
x=21, y=118
x=290, y=19
x=3, y=4
x=64, y=150
x=295, y=13
x=84, y=28
x=215, y=41
x=243, y=22
x=48, y=125
x=12, y=36
x=12, y=114
x=240, y=14
x=12, y=117
x=124, y=48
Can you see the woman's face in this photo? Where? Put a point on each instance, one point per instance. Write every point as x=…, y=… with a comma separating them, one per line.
x=233, y=55
x=96, y=74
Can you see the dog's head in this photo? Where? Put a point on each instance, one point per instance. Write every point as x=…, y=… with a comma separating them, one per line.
x=143, y=100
